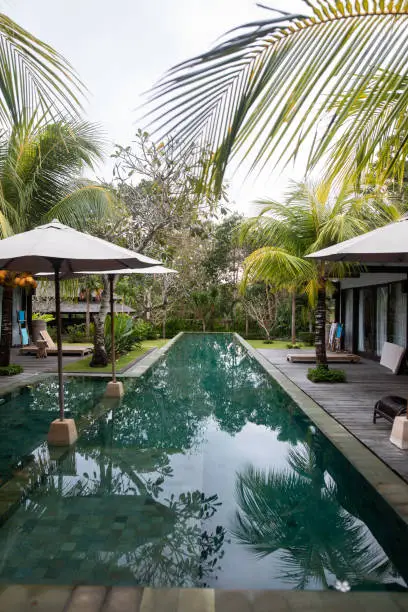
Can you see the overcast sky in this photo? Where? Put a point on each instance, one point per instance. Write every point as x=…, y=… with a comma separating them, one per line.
x=120, y=48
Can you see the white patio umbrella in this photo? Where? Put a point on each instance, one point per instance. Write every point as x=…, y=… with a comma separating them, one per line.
x=61, y=250
x=388, y=244
x=112, y=274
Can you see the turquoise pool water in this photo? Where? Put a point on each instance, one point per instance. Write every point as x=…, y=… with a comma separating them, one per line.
x=206, y=474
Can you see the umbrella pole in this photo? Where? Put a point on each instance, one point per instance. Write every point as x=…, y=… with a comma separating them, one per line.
x=114, y=388
x=57, y=266
x=62, y=431
x=112, y=309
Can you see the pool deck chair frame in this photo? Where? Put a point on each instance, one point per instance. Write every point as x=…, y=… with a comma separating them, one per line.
x=70, y=349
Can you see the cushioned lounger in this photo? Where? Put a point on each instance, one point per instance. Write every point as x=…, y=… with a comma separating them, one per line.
x=389, y=407
x=311, y=358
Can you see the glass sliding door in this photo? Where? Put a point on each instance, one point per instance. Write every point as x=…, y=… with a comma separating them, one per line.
x=361, y=321
x=381, y=316
x=348, y=320
x=367, y=321
x=397, y=315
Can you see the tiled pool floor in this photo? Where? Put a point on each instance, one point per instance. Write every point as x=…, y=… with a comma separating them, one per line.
x=130, y=504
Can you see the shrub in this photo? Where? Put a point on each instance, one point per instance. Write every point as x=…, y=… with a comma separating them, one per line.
x=76, y=333
x=144, y=330
x=307, y=338
x=268, y=341
x=11, y=370
x=125, y=334
x=322, y=374
x=174, y=325
x=293, y=346
x=40, y=316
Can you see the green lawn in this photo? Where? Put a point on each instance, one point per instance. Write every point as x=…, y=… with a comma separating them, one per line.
x=82, y=365
x=277, y=344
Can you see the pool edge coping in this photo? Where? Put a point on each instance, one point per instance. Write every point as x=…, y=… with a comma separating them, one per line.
x=146, y=362
x=381, y=477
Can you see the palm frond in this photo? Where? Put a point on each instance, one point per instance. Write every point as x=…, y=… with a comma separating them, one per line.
x=86, y=202
x=277, y=267
x=262, y=92
x=33, y=75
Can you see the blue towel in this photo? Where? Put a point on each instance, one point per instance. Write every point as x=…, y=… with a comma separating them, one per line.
x=21, y=315
x=339, y=330
x=24, y=336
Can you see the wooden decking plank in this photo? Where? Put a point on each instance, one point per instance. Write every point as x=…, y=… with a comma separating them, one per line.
x=352, y=403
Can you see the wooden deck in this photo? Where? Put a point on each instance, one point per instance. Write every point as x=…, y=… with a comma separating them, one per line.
x=33, y=367
x=352, y=403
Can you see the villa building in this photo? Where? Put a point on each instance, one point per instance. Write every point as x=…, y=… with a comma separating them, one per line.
x=374, y=309
x=72, y=311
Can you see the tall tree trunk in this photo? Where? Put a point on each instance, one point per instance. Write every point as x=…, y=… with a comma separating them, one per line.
x=293, y=330
x=268, y=302
x=87, y=313
x=6, y=326
x=164, y=323
x=203, y=321
x=148, y=303
x=100, y=356
x=309, y=318
x=246, y=326
x=164, y=296
x=320, y=325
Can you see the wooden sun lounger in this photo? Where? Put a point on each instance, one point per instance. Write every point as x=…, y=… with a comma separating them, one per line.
x=331, y=358
x=81, y=351
x=67, y=349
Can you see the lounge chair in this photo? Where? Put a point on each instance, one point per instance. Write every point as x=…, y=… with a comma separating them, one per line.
x=333, y=358
x=389, y=407
x=67, y=349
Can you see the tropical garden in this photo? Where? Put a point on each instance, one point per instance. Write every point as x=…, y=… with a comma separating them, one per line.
x=332, y=81
x=287, y=83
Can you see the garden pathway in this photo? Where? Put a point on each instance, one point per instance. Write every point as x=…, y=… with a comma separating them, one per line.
x=352, y=403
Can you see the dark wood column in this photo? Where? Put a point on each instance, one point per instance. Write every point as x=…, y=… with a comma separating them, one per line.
x=355, y=320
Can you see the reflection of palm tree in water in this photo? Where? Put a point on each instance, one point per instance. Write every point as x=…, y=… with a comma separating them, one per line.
x=297, y=513
x=182, y=552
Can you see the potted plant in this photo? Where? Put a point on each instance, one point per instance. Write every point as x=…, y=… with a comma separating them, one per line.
x=39, y=324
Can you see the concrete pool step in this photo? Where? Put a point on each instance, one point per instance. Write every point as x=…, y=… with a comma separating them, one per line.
x=20, y=598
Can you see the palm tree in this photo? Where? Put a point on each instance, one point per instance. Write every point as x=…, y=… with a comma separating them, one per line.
x=262, y=92
x=33, y=76
x=40, y=179
x=311, y=218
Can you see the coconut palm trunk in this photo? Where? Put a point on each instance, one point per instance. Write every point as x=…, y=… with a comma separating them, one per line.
x=6, y=326
x=100, y=356
x=293, y=322
x=87, y=314
x=320, y=325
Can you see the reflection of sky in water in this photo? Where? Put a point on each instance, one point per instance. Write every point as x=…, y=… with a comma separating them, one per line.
x=197, y=422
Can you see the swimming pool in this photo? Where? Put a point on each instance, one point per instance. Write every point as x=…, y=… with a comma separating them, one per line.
x=206, y=474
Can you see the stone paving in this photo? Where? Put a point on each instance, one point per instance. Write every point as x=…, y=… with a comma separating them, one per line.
x=130, y=599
